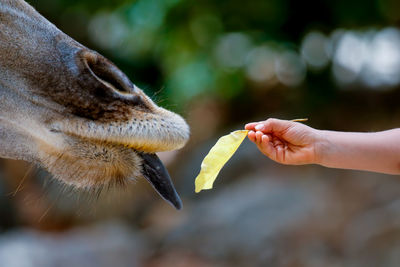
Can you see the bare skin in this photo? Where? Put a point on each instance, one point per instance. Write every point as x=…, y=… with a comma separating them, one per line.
x=294, y=143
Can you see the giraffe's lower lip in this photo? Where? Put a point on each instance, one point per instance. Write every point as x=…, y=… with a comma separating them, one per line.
x=164, y=131
x=157, y=175
x=149, y=143
x=144, y=145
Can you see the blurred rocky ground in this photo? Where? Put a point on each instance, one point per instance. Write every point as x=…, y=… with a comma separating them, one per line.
x=104, y=244
x=258, y=214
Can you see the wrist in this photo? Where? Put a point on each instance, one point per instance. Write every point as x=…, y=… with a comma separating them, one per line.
x=321, y=145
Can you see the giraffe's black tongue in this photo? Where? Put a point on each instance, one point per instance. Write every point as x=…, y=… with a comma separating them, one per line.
x=157, y=175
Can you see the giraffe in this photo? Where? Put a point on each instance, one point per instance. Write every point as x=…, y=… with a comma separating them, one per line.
x=71, y=111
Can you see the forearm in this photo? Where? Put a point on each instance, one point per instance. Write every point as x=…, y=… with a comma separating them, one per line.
x=378, y=152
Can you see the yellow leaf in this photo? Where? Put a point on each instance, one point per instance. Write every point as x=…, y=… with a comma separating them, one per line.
x=219, y=154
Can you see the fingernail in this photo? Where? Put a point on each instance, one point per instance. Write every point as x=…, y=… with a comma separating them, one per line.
x=259, y=127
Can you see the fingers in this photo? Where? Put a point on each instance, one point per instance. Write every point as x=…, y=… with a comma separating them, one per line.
x=252, y=136
x=269, y=126
x=273, y=125
x=259, y=137
x=265, y=143
x=250, y=126
x=280, y=154
x=267, y=136
x=269, y=145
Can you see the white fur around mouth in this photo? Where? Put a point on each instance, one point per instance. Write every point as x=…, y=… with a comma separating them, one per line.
x=150, y=135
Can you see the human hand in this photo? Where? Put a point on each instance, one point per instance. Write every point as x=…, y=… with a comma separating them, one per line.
x=283, y=141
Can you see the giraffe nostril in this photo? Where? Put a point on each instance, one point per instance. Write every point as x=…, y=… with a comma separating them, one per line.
x=108, y=74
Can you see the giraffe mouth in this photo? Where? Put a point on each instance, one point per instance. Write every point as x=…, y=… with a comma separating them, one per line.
x=120, y=160
x=158, y=132
x=122, y=150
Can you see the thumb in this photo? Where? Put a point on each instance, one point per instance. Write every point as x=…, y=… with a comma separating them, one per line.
x=273, y=126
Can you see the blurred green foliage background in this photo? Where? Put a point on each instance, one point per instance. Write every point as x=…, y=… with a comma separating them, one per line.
x=255, y=59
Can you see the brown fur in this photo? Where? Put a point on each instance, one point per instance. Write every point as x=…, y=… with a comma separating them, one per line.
x=71, y=110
